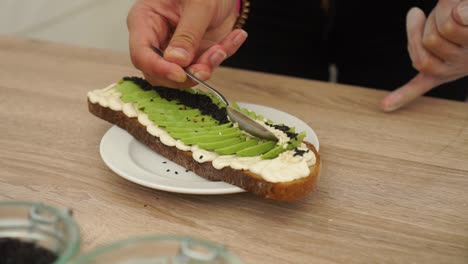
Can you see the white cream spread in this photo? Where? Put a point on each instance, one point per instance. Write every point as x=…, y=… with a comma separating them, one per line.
x=282, y=137
x=286, y=167
x=130, y=110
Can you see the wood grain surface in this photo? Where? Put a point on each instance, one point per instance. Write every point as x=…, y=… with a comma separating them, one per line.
x=393, y=188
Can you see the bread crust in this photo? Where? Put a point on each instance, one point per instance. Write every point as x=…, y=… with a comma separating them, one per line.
x=283, y=191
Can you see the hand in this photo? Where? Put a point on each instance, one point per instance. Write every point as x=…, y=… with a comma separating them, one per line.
x=438, y=47
x=194, y=33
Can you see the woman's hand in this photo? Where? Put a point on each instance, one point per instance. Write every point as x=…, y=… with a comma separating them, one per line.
x=196, y=34
x=438, y=47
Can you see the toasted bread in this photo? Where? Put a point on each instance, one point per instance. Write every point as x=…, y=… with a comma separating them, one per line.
x=245, y=179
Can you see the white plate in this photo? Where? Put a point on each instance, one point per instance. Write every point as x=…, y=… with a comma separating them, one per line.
x=137, y=163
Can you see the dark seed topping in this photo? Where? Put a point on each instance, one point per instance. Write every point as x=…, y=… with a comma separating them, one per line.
x=198, y=101
x=168, y=170
x=186, y=170
x=201, y=156
x=176, y=172
x=140, y=82
x=164, y=162
x=285, y=129
x=299, y=152
x=23, y=252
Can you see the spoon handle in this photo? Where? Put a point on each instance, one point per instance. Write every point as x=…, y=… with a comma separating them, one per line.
x=220, y=96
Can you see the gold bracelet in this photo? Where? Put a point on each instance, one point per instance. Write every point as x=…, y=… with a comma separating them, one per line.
x=243, y=14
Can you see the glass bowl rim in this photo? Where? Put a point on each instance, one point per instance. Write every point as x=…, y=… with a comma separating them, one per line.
x=72, y=226
x=96, y=252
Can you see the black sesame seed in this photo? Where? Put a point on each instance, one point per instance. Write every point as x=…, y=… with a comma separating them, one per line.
x=168, y=170
x=201, y=156
x=164, y=162
x=285, y=129
x=176, y=172
x=299, y=152
x=292, y=135
x=22, y=252
x=186, y=170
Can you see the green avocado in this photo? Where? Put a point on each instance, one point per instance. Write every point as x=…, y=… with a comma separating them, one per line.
x=198, y=129
x=127, y=87
x=220, y=144
x=212, y=132
x=233, y=149
x=209, y=139
x=192, y=127
x=257, y=149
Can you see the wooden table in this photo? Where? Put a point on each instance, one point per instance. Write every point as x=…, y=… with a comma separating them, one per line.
x=393, y=189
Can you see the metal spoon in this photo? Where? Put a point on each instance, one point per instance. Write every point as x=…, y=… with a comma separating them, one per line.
x=244, y=121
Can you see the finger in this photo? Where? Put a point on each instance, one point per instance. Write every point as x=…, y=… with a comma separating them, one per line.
x=190, y=30
x=423, y=60
x=141, y=39
x=150, y=63
x=460, y=13
x=234, y=41
x=449, y=20
x=161, y=81
x=437, y=44
x=217, y=34
x=418, y=86
x=415, y=20
x=215, y=55
x=201, y=71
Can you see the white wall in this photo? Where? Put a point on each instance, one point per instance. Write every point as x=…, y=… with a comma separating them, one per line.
x=90, y=23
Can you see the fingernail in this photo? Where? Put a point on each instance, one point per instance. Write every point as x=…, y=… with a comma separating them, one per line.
x=176, y=77
x=462, y=10
x=218, y=57
x=202, y=75
x=411, y=17
x=240, y=38
x=178, y=53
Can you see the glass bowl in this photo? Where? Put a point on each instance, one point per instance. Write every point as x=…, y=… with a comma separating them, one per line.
x=159, y=250
x=36, y=226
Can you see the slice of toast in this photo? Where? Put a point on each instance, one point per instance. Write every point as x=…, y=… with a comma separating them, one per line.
x=245, y=179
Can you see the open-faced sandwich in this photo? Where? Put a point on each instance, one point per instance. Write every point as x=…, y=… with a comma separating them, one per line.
x=191, y=128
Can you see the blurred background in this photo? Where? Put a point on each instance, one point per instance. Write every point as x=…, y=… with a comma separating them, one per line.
x=89, y=23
